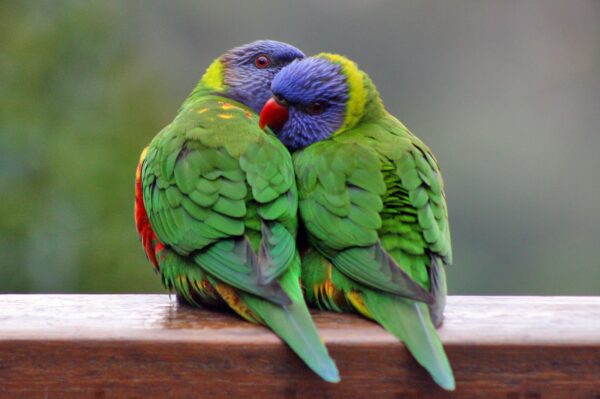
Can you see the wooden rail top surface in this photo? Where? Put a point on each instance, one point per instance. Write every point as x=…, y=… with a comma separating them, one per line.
x=146, y=346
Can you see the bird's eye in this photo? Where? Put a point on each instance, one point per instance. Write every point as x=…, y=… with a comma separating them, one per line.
x=262, y=61
x=279, y=99
x=316, y=108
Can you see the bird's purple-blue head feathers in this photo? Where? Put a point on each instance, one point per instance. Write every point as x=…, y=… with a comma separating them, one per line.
x=245, y=73
x=313, y=99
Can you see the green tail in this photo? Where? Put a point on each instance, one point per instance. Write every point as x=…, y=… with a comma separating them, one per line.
x=410, y=322
x=295, y=326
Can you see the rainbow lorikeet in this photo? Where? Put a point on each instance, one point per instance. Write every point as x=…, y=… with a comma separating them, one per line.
x=372, y=201
x=216, y=203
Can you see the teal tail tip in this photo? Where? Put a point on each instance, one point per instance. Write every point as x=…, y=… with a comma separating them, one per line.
x=446, y=382
x=330, y=373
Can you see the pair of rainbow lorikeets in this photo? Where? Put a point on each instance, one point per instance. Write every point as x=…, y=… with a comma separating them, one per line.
x=221, y=193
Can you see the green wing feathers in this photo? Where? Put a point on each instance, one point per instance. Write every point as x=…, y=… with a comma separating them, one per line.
x=374, y=267
x=419, y=184
x=340, y=196
x=194, y=195
x=204, y=196
x=234, y=262
x=341, y=203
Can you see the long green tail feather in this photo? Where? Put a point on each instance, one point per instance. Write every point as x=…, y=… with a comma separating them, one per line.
x=294, y=325
x=410, y=322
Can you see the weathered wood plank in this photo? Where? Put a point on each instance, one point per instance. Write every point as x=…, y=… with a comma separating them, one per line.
x=134, y=346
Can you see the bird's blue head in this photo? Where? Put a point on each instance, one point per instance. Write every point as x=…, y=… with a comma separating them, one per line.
x=313, y=99
x=245, y=73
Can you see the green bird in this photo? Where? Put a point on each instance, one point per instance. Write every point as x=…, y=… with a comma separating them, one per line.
x=372, y=202
x=216, y=203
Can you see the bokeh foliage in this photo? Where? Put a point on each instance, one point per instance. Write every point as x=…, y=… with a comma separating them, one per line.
x=76, y=107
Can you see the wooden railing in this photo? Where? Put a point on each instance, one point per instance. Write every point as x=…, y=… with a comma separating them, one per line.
x=148, y=346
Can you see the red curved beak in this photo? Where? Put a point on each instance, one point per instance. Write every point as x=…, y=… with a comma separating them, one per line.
x=273, y=114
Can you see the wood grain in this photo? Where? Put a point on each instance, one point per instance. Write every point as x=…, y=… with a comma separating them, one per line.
x=146, y=346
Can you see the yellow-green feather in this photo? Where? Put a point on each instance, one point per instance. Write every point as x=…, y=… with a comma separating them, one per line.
x=213, y=77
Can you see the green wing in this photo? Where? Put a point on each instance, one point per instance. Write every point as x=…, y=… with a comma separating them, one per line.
x=418, y=196
x=341, y=201
x=212, y=189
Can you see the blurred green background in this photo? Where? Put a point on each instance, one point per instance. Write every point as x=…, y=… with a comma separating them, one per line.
x=507, y=94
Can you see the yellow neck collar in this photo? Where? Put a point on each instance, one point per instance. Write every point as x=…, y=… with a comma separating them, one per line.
x=357, y=94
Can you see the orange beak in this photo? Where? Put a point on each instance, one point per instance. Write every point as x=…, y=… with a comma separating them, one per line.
x=273, y=114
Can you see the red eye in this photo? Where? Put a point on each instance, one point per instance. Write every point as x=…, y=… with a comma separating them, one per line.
x=262, y=61
x=316, y=108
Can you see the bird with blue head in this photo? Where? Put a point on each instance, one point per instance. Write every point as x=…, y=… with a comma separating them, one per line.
x=244, y=74
x=216, y=203
x=372, y=202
